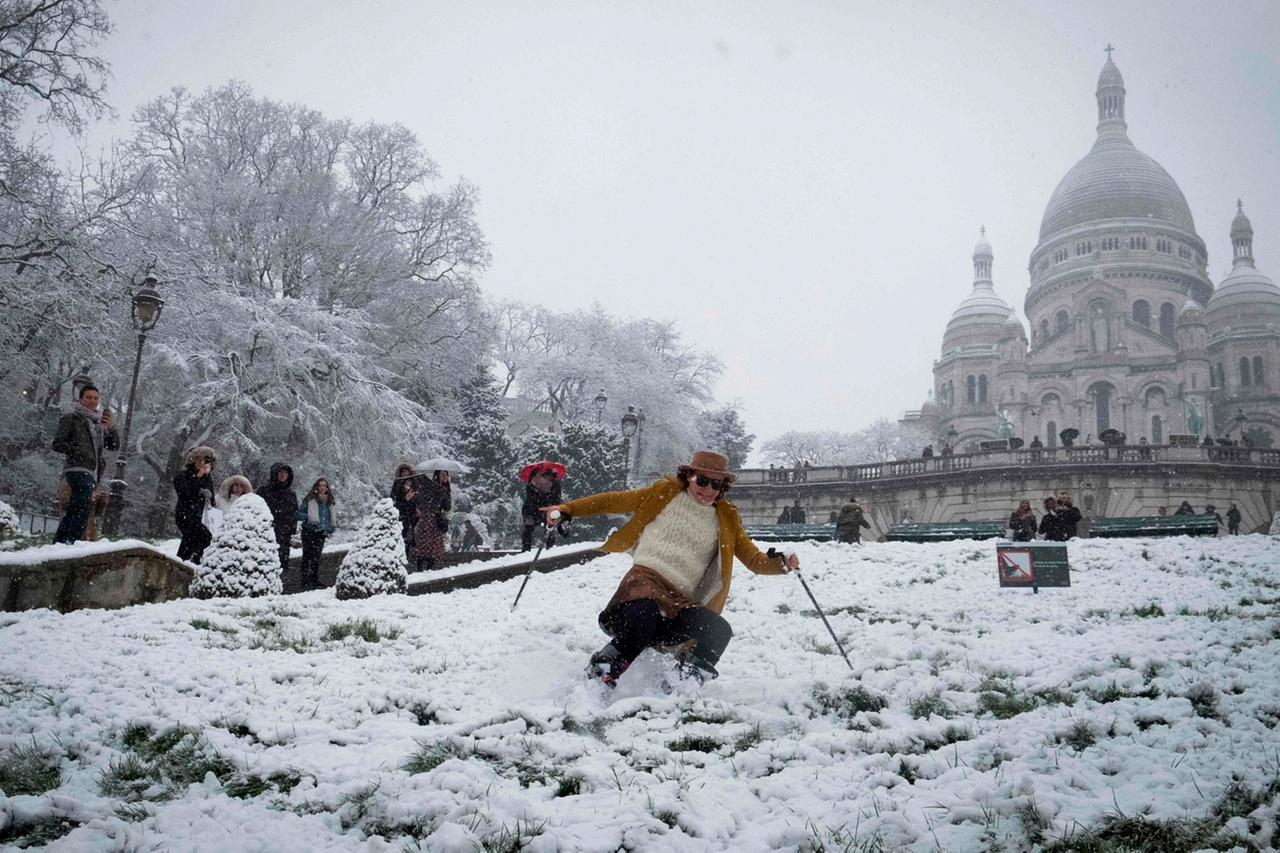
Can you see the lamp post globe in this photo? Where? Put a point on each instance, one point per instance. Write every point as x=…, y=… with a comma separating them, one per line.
x=600, y=401
x=145, y=311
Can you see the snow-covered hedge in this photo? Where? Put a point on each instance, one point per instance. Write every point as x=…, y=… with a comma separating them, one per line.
x=375, y=564
x=9, y=523
x=244, y=559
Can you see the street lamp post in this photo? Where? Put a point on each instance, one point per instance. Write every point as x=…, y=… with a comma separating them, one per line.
x=601, y=401
x=630, y=422
x=639, y=436
x=1239, y=420
x=147, y=306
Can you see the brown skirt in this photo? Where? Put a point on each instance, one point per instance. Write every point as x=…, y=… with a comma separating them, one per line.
x=641, y=582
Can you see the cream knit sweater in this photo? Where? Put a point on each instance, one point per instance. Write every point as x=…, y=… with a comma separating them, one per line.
x=680, y=544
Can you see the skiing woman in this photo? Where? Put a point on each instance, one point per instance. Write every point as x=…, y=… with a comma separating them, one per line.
x=683, y=535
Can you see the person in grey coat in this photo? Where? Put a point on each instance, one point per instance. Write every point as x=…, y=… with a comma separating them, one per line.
x=83, y=433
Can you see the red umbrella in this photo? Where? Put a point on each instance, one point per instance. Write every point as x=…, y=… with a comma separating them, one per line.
x=527, y=472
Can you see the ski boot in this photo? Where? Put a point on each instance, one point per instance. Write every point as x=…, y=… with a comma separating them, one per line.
x=607, y=665
x=696, y=669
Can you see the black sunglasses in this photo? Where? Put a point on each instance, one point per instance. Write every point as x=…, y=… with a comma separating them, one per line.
x=703, y=481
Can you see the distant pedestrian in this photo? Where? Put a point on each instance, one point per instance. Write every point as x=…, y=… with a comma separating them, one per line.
x=282, y=500
x=319, y=517
x=1023, y=522
x=408, y=516
x=542, y=490
x=83, y=433
x=1051, y=527
x=927, y=452
x=1036, y=442
x=1185, y=508
x=433, y=502
x=1211, y=511
x=850, y=521
x=471, y=540
x=1233, y=521
x=1162, y=511
x=233, y=487
x=1070, y=516
x=194, y=487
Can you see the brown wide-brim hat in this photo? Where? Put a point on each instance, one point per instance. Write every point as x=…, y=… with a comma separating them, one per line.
x=710, y=463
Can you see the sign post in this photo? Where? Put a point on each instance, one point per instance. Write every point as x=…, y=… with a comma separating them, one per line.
x=1033, y=564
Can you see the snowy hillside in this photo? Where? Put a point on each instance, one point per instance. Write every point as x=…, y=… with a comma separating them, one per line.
x=976, y=719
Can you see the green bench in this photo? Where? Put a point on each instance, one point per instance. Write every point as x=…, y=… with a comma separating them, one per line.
x=1153, y=525
x=945, y=531
x=792, y=532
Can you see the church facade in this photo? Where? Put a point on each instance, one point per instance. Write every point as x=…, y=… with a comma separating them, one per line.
x=1127, y=332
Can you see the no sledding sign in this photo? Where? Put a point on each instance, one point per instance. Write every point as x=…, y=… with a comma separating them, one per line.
x=1033, y=564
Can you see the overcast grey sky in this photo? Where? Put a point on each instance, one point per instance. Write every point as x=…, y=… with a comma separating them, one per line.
x=799, y=184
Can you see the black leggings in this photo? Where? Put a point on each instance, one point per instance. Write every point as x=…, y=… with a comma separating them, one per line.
x=195, y=538
x=639, y=625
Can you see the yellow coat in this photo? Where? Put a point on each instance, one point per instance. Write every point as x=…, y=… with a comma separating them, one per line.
x=644, y=506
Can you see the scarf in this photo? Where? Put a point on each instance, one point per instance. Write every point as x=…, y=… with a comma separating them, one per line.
x=94, y=418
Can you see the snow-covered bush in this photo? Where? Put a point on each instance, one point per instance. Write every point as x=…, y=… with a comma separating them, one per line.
x=9, y=523
x=244, y=560
x=375, y=564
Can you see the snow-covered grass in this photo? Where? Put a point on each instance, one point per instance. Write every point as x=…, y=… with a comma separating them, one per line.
x=1135, y=710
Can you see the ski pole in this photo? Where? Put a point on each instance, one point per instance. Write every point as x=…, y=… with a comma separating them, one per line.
x=545, y=539
x=816, y=606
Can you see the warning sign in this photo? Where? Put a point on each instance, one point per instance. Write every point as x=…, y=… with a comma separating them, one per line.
x=1015, y=566
x=1033, y=564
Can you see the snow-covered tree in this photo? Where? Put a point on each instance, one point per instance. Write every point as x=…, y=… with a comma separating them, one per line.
x=723, y=431
x=882, y=441
x=9, y=522
x=375, y=564
x=244, y=559
x=563, y=360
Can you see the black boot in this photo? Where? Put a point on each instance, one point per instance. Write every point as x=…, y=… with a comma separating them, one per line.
x=696, y=668
x=607, y=665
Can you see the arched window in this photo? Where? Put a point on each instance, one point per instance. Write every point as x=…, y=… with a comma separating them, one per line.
x=1244, y=372
x=1044, y=329
x=951, y=393
x=971, y=389
x=1257, y=371
x=1166, y=319
x=982, y=388
x=1101, y=394
x=1155, y=398
x=1061, y=322
x=1051, y=434
x=1222, y=376
x=1142, y=313
x=1157, y=429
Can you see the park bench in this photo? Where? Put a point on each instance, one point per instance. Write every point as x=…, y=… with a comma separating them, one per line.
x=1153, y=525
x=945, y=531
x=792, y=532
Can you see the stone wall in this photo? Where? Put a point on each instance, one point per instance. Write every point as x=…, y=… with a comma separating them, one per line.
x=108, y=579
x=1112, y=483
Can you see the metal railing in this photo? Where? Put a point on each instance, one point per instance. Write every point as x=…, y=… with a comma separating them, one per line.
x=1127, y=454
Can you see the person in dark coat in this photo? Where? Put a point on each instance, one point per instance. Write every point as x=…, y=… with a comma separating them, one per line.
x=408, y=517
x=282, y=500
x=1233, y=521
x=194, y=486
x=1185, y=508
x=319, y=516
x=471, y=540
x=1070, y=515
x=1023, y=522
x=1051, y=527
x=850, y=521
x=927, y=452
x=83, y=433
x=1211, y=511
x=542, y=490
x=433, y=504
